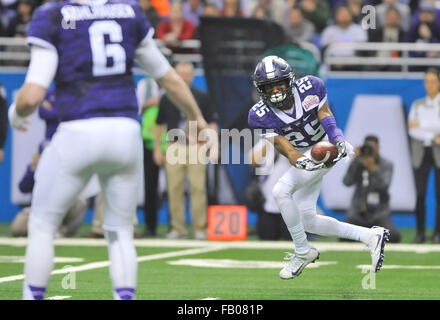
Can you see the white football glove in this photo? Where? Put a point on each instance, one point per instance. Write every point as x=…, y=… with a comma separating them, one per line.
x=307, y=164
x=345, y=150
x=17, y=122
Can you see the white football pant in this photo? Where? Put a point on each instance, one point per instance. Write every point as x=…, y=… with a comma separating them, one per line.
x=296, y=194
x=109, y=147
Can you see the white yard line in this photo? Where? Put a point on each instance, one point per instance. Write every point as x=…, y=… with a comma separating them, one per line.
x=283, y=245
x=21, y=259
x=103, y=264
x=58, y=297
x=364, y=266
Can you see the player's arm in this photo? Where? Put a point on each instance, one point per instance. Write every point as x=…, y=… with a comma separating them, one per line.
x=180, y=94
x=258, y=153
x=334, y=133
x=296, y=158
x=328, y=121
x=41, y=71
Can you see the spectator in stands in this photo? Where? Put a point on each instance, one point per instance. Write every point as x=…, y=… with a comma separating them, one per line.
x=231, y=8
x=7, y=12
x=317, y=12
x=3, y=121
x=261, y=13
x=148, y=94
x=171, y=118
x=371, y=174
x=424, y=131
x=3, y=21
x=211, y=10
x=356, y=10
x=391, y=32
x=150, y=12
x=343, y=31
x=19, y=24
x=192, y=10
x=404, y=10
x=274, y=9
x=430, y=3
x=298, y=29
x=163, y=7
x=424, y=30
x=175, y=29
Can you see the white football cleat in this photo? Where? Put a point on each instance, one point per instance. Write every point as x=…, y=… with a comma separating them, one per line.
x=297, y=263
x=376, y=245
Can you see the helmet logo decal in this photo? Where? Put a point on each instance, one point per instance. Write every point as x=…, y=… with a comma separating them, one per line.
x=270, y=70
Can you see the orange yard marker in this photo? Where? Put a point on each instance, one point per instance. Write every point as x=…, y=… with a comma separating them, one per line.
x=227, y=223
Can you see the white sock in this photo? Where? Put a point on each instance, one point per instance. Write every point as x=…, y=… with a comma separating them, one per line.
x=123, y=264
x=328, y=226
x=32, y=292
x=353, y=232
x=299, y=239
x=289, y=211
x=124, y=294
x=39, y=258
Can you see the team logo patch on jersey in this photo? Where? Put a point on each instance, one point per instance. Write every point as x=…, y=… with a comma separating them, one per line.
x=310, y=101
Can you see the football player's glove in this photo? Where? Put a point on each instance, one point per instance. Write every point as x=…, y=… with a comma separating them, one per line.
x=307, y=164
x=17, y=122
x=344, y=149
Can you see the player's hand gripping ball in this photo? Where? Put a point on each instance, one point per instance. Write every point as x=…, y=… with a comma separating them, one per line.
x=324, y=152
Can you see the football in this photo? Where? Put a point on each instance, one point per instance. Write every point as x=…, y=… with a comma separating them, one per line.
x=324, y=151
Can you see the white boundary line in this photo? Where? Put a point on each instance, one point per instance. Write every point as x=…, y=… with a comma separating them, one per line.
x=284, y=245
x=58, y=297
x=103, y=264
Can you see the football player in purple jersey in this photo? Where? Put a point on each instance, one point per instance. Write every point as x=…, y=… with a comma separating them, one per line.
x=295, y=115
x=88, y=48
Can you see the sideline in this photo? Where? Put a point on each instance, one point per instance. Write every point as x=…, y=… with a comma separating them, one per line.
x=321, y=246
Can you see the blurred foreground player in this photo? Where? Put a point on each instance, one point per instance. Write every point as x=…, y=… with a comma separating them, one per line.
x=295, y=115
x=88, y=48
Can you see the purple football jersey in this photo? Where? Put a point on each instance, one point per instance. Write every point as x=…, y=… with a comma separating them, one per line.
x=96, y=46
x=49, y=113
x=302, y=126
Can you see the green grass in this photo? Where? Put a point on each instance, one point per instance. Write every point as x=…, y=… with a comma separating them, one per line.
x=159, y=280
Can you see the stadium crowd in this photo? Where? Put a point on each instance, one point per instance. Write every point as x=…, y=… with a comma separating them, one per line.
x=320, y=22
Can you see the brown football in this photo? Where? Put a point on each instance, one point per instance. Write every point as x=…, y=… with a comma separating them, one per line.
x=320, y=150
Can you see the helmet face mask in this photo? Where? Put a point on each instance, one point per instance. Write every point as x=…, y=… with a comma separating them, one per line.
x=273, y=78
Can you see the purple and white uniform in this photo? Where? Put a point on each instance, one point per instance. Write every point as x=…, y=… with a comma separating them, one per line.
x=300, y=124
x=96, y=49
x=88, y=48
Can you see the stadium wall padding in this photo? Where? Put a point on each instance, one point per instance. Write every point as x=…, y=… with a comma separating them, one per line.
x=342, y=92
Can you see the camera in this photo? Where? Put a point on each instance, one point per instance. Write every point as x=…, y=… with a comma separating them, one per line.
x=367, y=151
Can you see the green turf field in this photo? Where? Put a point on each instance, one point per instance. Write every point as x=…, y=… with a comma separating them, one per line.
x=193, y=270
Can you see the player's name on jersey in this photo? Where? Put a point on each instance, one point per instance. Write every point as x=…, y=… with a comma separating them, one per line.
x=113, y=11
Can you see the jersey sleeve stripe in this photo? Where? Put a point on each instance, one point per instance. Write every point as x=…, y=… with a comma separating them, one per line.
x=40, y=42
x=149, y=36
x=321, y=103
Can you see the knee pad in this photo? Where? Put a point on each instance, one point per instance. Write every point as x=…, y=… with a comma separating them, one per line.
x=38, y=225
x=282, y=190
x=308, y=215
x=308, y=221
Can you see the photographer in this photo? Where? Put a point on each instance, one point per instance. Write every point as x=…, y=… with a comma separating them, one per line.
x=372, y=175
